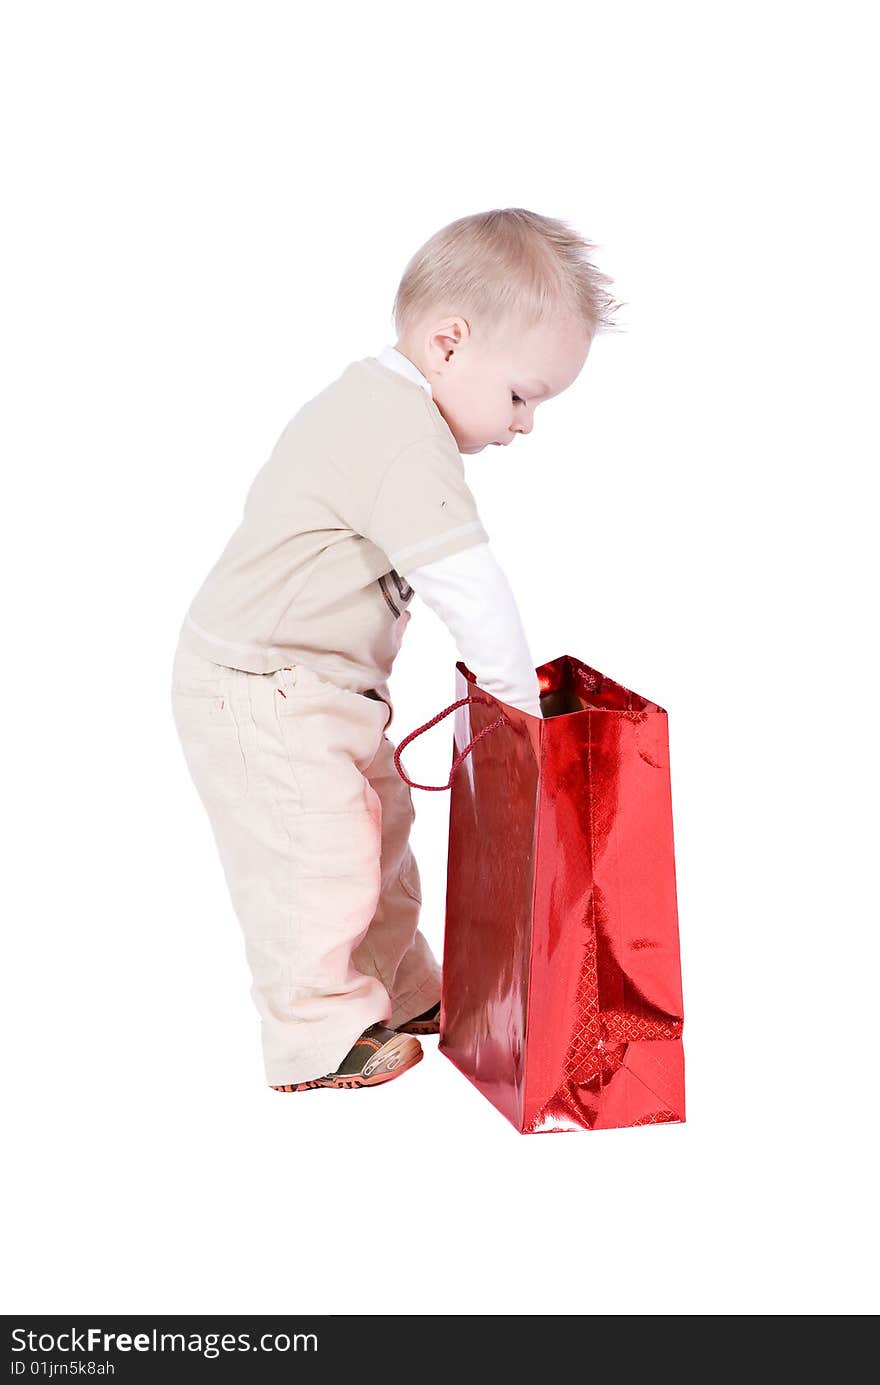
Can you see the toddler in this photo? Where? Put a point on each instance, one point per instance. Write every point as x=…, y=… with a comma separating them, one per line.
x=279, y=687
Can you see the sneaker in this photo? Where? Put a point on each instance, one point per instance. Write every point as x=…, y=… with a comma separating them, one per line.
x=426, y=1023
x=377, y=1056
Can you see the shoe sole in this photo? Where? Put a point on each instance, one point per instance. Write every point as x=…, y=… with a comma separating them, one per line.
x=425, y=1027
x=397, y=1058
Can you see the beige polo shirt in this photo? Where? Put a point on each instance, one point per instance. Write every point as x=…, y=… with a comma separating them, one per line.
x=364, y=484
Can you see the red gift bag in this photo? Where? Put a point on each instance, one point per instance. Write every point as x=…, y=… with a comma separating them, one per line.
x=561, y=992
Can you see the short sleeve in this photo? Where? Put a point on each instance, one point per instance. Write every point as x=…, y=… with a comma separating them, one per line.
x=424, y=509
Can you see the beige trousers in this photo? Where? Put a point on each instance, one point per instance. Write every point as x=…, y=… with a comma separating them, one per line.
x=312, y=824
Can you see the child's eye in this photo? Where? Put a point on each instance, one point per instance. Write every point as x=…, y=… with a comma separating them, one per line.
x=517, y=400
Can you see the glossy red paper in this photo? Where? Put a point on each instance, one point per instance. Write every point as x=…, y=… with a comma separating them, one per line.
x=561, y=978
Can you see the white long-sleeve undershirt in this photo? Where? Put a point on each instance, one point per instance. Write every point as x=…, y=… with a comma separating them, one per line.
x=471, y=594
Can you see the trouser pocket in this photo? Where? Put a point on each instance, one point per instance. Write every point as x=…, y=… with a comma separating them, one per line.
x=371, y=692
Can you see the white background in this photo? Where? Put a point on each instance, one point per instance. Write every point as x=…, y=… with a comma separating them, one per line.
x=208, y=210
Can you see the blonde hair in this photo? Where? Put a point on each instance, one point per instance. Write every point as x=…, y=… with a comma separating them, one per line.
x=503, y=266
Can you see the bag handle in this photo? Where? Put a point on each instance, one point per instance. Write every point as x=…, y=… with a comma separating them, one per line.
x=500, y=720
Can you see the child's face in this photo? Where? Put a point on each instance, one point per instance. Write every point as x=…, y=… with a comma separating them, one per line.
x=488, y=389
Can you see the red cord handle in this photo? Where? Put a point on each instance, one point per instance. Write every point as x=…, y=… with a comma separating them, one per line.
x=499, y=720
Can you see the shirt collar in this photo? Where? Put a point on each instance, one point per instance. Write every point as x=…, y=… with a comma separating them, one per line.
x=395, y=360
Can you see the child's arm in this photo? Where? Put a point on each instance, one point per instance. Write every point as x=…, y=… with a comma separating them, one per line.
x=471, y=594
